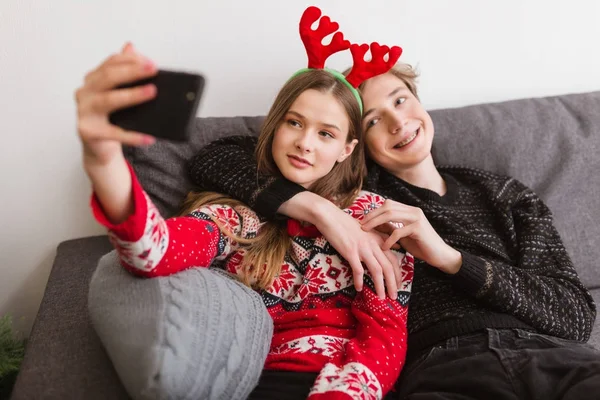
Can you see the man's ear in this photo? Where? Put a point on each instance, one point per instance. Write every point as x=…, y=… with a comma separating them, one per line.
x=348, y=149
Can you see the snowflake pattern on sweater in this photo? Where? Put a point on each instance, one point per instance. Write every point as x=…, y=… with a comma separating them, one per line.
x=356, y=341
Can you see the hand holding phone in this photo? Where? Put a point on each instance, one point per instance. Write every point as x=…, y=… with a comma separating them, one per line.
x=171, y=114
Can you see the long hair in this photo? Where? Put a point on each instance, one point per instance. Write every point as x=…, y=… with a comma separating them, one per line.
x=265, y=254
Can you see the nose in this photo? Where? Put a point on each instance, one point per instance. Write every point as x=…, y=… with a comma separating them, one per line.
x=395, y=122
x=305, y=141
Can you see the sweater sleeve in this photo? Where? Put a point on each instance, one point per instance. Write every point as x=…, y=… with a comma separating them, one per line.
x=540, y=285
x=372, y=360
x=150, y=246
x=228, y=166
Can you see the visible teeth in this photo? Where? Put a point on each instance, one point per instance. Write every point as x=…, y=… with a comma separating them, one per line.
x=407, y=140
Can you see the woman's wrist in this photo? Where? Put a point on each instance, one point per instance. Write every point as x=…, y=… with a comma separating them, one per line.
x=92, y=163
x=112, y=185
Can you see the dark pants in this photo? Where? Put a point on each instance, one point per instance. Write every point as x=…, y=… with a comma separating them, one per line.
x=502, y=364
x=284, y=385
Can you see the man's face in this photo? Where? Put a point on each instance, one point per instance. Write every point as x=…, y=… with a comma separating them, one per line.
x=398, y=131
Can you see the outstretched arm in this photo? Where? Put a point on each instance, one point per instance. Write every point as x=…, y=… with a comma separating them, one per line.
x=150, y=246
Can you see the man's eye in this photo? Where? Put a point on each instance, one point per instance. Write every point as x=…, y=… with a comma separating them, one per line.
x=400, y=100
x=372, y=122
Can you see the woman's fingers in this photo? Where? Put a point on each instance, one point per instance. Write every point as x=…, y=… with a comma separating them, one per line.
x=92, y=131
x=129, y=70
x=130, y=138
x=107, y=102
x=128, y=48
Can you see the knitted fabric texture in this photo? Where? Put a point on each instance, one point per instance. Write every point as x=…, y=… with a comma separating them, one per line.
x=516, y=272
x=195, y=335
x=355, y=341
x=240, y=172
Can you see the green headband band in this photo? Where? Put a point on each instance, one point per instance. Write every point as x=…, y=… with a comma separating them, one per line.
x=341, y=78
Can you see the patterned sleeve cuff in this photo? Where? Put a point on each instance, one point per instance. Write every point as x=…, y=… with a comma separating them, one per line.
x=133, y=227
x=336, y=382
x=272, y=197
x=473, y=276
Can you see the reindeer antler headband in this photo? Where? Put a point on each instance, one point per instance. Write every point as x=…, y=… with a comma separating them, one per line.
x=317, y=53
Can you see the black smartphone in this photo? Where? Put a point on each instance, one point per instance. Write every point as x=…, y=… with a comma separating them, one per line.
x=171, y=114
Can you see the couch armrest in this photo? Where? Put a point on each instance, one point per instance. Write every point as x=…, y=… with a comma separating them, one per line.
x=64, y=358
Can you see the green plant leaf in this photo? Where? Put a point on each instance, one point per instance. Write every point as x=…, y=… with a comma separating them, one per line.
x=12, y=351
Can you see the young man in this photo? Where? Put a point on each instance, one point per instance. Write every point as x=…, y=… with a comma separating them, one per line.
x=497, y=308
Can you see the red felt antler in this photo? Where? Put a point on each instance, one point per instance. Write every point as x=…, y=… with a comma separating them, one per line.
x=317, y=53
x=363, y=70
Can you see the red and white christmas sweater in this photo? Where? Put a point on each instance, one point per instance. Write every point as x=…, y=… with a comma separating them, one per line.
x=355, y=341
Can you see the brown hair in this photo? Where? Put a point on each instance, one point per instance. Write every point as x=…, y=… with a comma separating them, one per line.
x=405, y=72
x=265, y=253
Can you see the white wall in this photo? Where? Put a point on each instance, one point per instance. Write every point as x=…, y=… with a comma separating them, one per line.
x=468, y=51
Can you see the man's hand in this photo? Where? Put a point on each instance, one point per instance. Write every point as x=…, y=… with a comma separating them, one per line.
x=416, y=235
x=353, y=243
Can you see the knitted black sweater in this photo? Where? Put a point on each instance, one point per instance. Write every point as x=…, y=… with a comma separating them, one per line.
x=516, y=272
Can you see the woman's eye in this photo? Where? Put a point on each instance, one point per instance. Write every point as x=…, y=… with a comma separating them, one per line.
x=325, y=134
x=400, y=100
x=294, y=123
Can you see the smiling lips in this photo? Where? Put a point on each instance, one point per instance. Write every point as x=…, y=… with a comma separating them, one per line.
x=298, y=162
x=407, y=140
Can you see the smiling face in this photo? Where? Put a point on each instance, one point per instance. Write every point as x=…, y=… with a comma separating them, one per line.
x=312, y=138
x=398, y=131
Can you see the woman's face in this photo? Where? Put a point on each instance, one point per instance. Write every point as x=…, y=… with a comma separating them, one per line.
x=398, y=131
x=312, y=138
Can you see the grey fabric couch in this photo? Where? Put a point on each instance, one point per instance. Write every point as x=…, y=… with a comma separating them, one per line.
x=551, y=144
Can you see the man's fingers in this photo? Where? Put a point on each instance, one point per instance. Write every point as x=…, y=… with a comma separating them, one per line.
x=396, y=235
x=358, y=272
x=375, y=221
x=398, y=216
x=388, y=274
x=375, y=270
x=397, y=268
x=386, y=228
x=373, y=214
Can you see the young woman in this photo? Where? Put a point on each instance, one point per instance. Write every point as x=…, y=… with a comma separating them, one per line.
x=498, y=310
x=329, y=340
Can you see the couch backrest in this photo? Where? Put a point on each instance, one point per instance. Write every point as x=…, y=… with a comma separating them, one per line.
x=551, y=144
